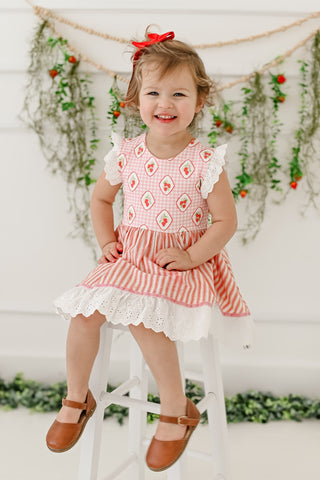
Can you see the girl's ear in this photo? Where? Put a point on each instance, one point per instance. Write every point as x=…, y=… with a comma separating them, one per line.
x=200, y=103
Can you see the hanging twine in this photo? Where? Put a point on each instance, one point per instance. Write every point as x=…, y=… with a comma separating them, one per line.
x=49, y=13
x=44, y=13
x=269, y=65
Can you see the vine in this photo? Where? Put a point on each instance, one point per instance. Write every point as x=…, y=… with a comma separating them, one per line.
x=260, y=127
x=295, y=164
x=278, y=97
x=252, y=406
x=58, y=107
x=222, y=124
x=309, y=130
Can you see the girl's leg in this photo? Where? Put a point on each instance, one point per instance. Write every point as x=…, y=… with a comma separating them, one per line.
x=82, y=347
x=161, y=355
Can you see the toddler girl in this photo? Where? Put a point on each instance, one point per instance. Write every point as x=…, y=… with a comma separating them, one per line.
x=163, y=269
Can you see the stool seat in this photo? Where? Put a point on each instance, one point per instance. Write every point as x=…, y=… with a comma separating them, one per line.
x=138, y=404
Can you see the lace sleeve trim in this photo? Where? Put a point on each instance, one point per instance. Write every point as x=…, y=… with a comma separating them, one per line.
x=111, y=161
x=214, y=170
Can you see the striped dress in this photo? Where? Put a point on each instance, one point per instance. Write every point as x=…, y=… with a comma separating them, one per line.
x=164, y=206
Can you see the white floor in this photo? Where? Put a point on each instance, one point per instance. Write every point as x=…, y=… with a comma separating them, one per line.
x=274, y=451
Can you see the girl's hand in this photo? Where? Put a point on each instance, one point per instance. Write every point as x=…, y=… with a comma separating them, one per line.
x=111, y=252
x=174, y=259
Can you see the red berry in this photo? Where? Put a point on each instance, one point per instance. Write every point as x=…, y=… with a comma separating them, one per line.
x=72, y=59
x=281, y=79
x=53, y=73
x=229, y=129
x=243, y=193
x=281, y=99
x=293, y=185
x=297, y=177
x=116, y=113
x=122, y=104
x=218, y=122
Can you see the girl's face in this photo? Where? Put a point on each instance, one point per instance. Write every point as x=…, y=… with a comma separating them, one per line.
x=167, y=105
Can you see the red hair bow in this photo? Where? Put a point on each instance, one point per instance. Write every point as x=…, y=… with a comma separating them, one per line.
x=154, y=38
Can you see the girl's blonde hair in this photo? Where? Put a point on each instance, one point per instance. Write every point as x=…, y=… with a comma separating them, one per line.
x=169, y=55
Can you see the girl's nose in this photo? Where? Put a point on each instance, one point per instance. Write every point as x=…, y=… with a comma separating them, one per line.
x=165, y=101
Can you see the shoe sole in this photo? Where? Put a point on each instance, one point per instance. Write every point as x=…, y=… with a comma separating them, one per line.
x=61, y=450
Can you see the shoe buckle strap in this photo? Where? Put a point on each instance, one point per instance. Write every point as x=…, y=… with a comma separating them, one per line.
x=182, y=420
x=72, y=404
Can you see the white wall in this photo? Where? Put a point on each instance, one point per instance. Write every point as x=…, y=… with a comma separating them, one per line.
x=278, y=272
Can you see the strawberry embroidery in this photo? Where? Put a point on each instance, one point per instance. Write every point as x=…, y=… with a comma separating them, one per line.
x=197, y=216
x=147, y=200
x=133, y=181
x=186, y=169
x=206, y=155
x=139, y=150
x=151, y=167
x=183, y=202
x=193, y=142
x=166, y=185
x=131, y=214
x=198, y=185
x=164, y=219
x=122, y=162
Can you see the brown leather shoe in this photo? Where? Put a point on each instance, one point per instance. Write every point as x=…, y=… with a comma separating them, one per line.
x=62, y=436
x=164, y=453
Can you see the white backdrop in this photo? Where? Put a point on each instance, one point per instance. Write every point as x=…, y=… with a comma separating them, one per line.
x=278, y=272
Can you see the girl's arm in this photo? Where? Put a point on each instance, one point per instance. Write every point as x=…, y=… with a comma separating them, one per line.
x=101, y=210
x=224, y=224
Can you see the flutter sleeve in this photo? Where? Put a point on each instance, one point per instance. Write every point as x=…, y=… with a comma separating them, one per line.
x=214, y=169
x=111, y=167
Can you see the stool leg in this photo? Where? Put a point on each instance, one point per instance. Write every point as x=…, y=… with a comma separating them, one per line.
x=91, y=438
x=178, y=471
x=137, y=417
x=216, y=407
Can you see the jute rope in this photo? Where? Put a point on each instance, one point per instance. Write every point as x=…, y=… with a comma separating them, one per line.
x=49, y=13
x=43, y=13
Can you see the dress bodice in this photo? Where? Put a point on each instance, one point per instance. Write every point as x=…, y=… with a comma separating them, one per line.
x=167, y=195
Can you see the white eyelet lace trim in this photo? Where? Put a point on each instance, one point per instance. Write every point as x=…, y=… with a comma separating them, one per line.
x=176, y=321
x=111, y=161
x=214, y=170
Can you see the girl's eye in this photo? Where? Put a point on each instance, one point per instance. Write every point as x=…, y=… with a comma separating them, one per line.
x=178, y=94
x=153, y=93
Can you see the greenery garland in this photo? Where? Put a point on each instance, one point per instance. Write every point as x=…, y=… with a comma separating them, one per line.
x=252, y=406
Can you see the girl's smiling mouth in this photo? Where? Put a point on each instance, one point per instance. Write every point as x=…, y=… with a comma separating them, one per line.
x=165, y=118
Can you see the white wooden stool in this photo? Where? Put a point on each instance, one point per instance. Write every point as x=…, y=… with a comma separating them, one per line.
x=137, y=386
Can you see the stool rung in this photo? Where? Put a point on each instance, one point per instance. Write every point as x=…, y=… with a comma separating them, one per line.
x=132, y=458
x=124, y=401
x=203, y=404
x=124, y=388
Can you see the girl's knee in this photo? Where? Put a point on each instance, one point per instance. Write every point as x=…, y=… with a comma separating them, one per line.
x=93, y=321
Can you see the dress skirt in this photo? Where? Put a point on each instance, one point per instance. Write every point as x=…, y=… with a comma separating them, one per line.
x=185, y=305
